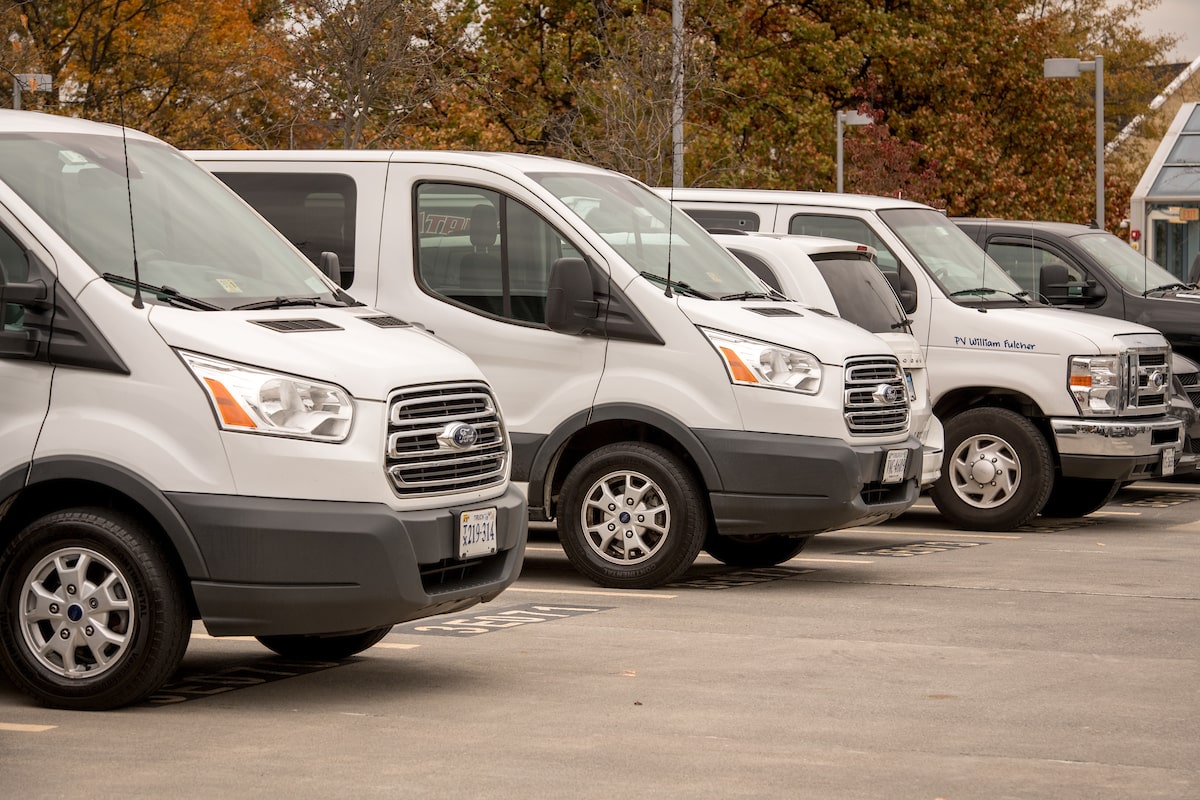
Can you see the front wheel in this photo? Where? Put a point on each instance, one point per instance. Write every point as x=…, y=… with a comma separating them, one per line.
x=754, y=551
x=326, y=647
x=631, y=516
x=1078, y=497
x=93, y=614
x=997, y=471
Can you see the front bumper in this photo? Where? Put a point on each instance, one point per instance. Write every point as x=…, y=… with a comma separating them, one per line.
x=1118, y=449
x=784, y=484
x=278, y=566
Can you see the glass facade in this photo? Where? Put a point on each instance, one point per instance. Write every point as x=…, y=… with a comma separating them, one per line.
x=1166, y=204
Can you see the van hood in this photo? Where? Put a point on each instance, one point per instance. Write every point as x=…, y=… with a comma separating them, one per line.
x=831, y=339
x=1041, y=330
x=369, y=359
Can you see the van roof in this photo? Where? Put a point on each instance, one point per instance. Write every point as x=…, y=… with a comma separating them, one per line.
x=1067, y=229
x=778, y=196
x=12, y=121
x=496, y=161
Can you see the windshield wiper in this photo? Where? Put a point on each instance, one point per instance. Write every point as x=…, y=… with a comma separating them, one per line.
x=1165, y=288
x=984, y=291
x=282, y=302
x=165, y=293
x=771, y=295
x=680, y=285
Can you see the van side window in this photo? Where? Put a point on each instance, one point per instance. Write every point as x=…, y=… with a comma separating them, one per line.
x=14, y=268
x=720, y=219
x=849, y=228
x=315, y=211
x=485, y=250
x=760, y=268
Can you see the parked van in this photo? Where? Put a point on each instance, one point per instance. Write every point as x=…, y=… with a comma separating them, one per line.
x=196, y=424
x=841, y=277
x=1046, y=410
x=1091, y=270
x=661, y=398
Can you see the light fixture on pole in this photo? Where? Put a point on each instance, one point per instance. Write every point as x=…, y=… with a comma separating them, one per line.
x=845, y=118
x=1073, y=68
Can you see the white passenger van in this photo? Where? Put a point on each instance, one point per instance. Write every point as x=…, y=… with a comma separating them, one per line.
x=660, y=397
x=196, y=424
x=1045, y=410
x=841, y=277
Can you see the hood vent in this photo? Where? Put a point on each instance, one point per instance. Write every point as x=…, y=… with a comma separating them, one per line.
x=774, y=311
x=386, y=322
x=297, y=325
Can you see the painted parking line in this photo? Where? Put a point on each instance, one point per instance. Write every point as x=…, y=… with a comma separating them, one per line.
x=17, y=727
x=592, y=593
x=508, y=619
x=924, y=532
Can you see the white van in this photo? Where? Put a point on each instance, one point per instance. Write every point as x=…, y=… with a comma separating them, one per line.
x=660, y=397
x=196, y=424
x=841, y=277
x=1045, y=410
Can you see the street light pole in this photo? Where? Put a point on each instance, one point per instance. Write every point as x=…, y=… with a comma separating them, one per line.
x=845, y=118
x=1073, y=68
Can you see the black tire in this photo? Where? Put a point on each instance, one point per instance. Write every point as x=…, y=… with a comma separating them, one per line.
x=631, y=516
x=324, y=648
x=1078, y=497
x=754, y=551
x=89, y=593
x=997, y=471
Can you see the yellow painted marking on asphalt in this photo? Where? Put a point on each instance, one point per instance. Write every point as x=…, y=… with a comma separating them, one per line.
x=590, y=593
x=394, y=646
x=837, y=560
x=19, y=728
x=545, y=549
x=1116, y=513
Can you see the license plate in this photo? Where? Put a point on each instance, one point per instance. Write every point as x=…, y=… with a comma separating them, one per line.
x=1168, y=461
x=893, y=466
x=477, y=533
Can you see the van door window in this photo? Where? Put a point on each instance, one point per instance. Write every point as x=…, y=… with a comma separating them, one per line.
x=14, y=268
x=848, y=228
x=485, y=250
x=1025, y=261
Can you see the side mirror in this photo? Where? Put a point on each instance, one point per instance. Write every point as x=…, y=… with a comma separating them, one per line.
x=905, y=289
x=571, y=305
x=331, y=267
x=1094, y=291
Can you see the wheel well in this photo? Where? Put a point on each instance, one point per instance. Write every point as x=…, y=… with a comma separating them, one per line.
x=598, y=434
x=954, y=403
x=59, y=495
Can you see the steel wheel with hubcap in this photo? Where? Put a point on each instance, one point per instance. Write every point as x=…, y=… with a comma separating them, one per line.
x=93, y=614
x=631, y=515
x=997, y=473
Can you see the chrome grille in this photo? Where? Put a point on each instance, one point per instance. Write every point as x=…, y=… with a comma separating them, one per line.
x=876, y=396
x=424, y=456
x=1150, y=370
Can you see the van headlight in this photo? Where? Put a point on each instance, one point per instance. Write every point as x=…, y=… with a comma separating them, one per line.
x=1098, y=384
x=750, y=362
x=252, y=400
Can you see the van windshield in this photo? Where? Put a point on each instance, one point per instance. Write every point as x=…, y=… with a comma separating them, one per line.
x=959, y=266
x=654, y=236
x=193, y=236
x=1134, y=270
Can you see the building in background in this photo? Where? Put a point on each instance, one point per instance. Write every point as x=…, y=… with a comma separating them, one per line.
x=1165, y=208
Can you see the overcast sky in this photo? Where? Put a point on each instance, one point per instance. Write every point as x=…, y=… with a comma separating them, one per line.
x=1181, y=17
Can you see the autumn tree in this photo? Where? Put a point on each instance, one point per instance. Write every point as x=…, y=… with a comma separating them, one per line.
x=192, y=73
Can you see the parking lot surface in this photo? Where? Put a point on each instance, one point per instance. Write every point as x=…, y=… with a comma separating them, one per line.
x=908, y=660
